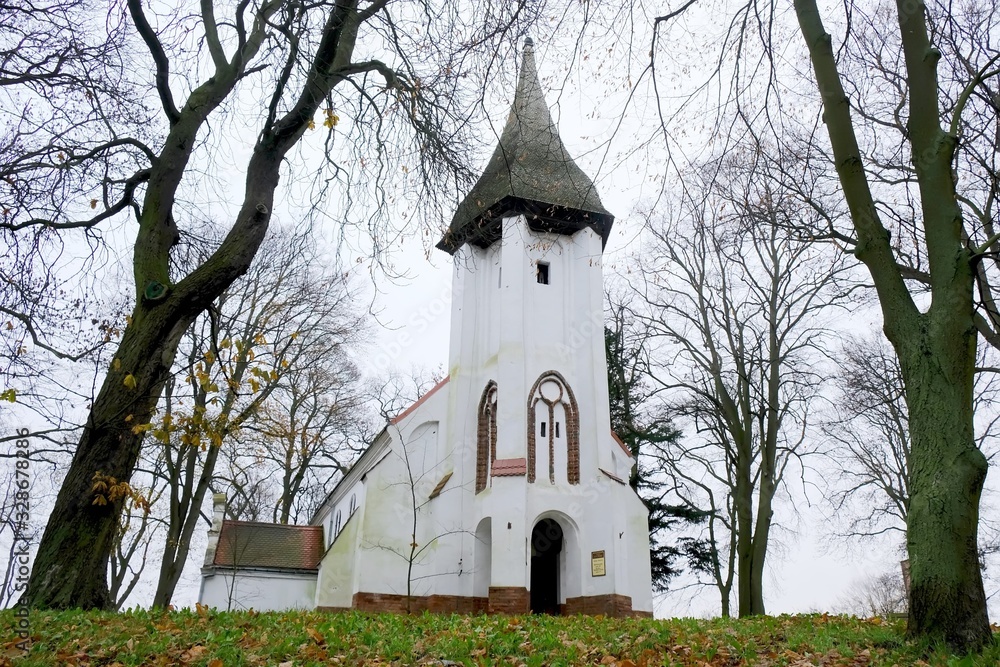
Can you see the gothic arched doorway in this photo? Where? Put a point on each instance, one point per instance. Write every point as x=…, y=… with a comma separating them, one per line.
x=546, y=546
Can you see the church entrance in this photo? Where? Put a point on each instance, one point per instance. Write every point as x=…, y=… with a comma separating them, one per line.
x=546, y=546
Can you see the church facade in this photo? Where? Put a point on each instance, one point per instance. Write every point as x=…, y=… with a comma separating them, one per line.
x=503, y=489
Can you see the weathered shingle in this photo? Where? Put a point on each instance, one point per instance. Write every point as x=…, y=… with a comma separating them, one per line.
x=510, y=467
x=250, y=544
x=530, y=173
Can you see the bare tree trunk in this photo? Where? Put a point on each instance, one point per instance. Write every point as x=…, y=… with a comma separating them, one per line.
x=936, y=348
x=71, y=566
x=946, y=588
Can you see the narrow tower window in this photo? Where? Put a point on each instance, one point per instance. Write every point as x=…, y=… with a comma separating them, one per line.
x=543, y=273
x=543, y=429
x=557, y=429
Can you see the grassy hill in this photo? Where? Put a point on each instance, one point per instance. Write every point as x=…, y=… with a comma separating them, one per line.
x=206, y=638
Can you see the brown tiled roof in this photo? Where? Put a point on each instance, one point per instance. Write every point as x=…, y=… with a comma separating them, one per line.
x=440, y=485
x=398, y=418
x=510, y=467
x=250, y=544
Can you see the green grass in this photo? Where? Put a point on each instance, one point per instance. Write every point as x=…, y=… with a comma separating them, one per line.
x=221, y=639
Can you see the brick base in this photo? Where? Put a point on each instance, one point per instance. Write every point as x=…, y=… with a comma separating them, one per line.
x=603, y=605
x=509, y=600
x=502, y=600
x=438, y=604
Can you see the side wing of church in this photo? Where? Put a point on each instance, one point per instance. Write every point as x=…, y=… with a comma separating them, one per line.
x=503, y=489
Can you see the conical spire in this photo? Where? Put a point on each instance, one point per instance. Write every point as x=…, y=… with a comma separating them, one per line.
x=530, y=173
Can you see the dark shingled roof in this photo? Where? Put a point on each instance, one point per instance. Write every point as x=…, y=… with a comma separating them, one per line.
x=530, y=173
x=250, y=544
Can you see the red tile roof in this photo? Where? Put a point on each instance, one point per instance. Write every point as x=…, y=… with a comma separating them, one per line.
x=614, y=477
x=510, y=467
x=251, y=544
x=398, y=418
x=621, y=444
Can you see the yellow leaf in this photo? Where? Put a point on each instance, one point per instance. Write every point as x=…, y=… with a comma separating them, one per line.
x=210, y=357
x=116, y=364
x=225, y=343
x=129, y=381
x=93, y=203
x=311, y=125
x=9, y=395
x=128, y=419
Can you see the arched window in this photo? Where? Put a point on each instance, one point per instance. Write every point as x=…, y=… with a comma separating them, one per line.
x=354, y=504
x=486, y=435
x=553, y=423
x=336, y=525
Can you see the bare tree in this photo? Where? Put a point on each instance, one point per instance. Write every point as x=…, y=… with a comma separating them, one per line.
x=870, y=439
x=392, y=76
x=936, y=345
x=644, y=424
x=283, y=318
x=906, y=141
x=882, y=595
x=136, y=534
x=734, y=301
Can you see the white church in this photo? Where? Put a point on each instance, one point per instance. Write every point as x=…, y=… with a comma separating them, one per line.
x=503, y=489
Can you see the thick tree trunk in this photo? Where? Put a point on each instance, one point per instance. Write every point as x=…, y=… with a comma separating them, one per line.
x=936, y=349
x=946, y=479
x=761, y=536
x=70, y=569
x=743, y=498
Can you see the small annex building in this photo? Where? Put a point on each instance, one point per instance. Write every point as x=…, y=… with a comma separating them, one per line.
x=503, y=488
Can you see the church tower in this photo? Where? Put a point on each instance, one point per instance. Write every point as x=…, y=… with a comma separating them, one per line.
x=557, y=527
x=502, y=489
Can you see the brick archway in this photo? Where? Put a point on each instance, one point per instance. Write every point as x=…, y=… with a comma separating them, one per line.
x=486, y=435
x=562, y=395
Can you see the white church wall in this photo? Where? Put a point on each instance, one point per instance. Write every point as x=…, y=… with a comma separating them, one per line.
x=339, y=570
x=639, y=566
x=385, y=529
x=259, y=590
x=504, y=502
